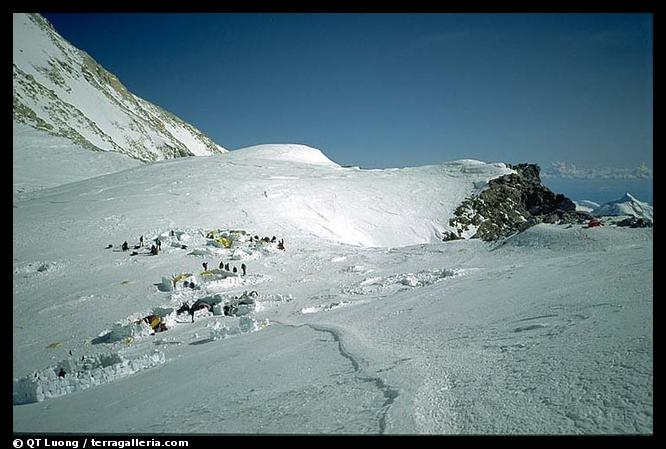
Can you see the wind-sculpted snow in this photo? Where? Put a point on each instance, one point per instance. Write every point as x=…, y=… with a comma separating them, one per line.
x=285, y=152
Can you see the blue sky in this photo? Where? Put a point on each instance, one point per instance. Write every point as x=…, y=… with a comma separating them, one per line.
x=394, y=90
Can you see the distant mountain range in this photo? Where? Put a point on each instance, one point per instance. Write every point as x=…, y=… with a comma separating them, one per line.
x=63, y=91
x=562, y=169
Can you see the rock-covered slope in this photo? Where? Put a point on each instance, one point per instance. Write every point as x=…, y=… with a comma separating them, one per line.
x=62, y=90
x=510, y=204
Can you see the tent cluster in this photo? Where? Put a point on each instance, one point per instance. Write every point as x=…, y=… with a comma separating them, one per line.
x=219, y=305
x=226, y=238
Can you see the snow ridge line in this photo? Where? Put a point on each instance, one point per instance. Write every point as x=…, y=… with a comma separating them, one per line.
x=390, y=394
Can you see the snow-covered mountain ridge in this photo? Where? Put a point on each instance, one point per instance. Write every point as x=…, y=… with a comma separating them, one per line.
x=62, y=90
x=627, y=205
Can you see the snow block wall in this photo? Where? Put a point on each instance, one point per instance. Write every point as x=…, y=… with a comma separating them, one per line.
x=80, y=375
x=242, y=325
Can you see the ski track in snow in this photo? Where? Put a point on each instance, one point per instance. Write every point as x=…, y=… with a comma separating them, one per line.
x=389, y=393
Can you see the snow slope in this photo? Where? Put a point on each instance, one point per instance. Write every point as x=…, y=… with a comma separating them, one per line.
x=585, y=205
x=366, y=323
x=627, y=205
x=41, y=160
x=264, y=191
x=287, y=152
x=62, y=90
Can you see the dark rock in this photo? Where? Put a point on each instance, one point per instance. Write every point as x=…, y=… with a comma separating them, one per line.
x=513, y=203
x=635, y=222
x=448, y=236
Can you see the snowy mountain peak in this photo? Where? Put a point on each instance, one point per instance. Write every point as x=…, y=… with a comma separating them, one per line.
x=286, y=152
x=627, y=197
x=62, y=90
x=627, y=205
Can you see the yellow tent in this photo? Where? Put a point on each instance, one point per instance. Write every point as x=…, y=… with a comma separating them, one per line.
x=224, y=242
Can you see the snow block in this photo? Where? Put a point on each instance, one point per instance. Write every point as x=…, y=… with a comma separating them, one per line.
x=122, y=331
x=89, y=372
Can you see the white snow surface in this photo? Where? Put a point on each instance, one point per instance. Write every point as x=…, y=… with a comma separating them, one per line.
x=41, y=160
x=585, y=205
x=287, y=152
x=366, y=323
x=627, y=205
x=68, y=94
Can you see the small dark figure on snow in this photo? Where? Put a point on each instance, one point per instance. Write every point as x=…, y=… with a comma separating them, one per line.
x=226, y=266
x=256, y=237
x=205, y=265
x=172, y=233
x=273, y=239
x=230, y=309
x=235, y=270
x=153, y=250
x=266, y=239
x=221, y=265
x=62, y=373
x=200, y=305
x=183, y=246
x=125, y=246
x=251, y=239
x=244, y=268
x=281, y=244
x=184, y=308
x=109, y=246
x=141, y=241
x=158, y=242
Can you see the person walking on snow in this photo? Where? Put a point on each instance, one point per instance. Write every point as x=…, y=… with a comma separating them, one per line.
x=244, y=268
x=221, y=265
x=141, y=241
x=125, y=246
x=205, y=265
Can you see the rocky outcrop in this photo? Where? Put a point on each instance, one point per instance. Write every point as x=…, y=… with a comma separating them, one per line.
x=513, y=203
x=635, y=222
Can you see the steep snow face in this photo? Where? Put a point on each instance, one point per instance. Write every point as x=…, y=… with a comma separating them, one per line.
x=41, y=160
x=627, y=205
x=276, y=196
x=62, y=90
